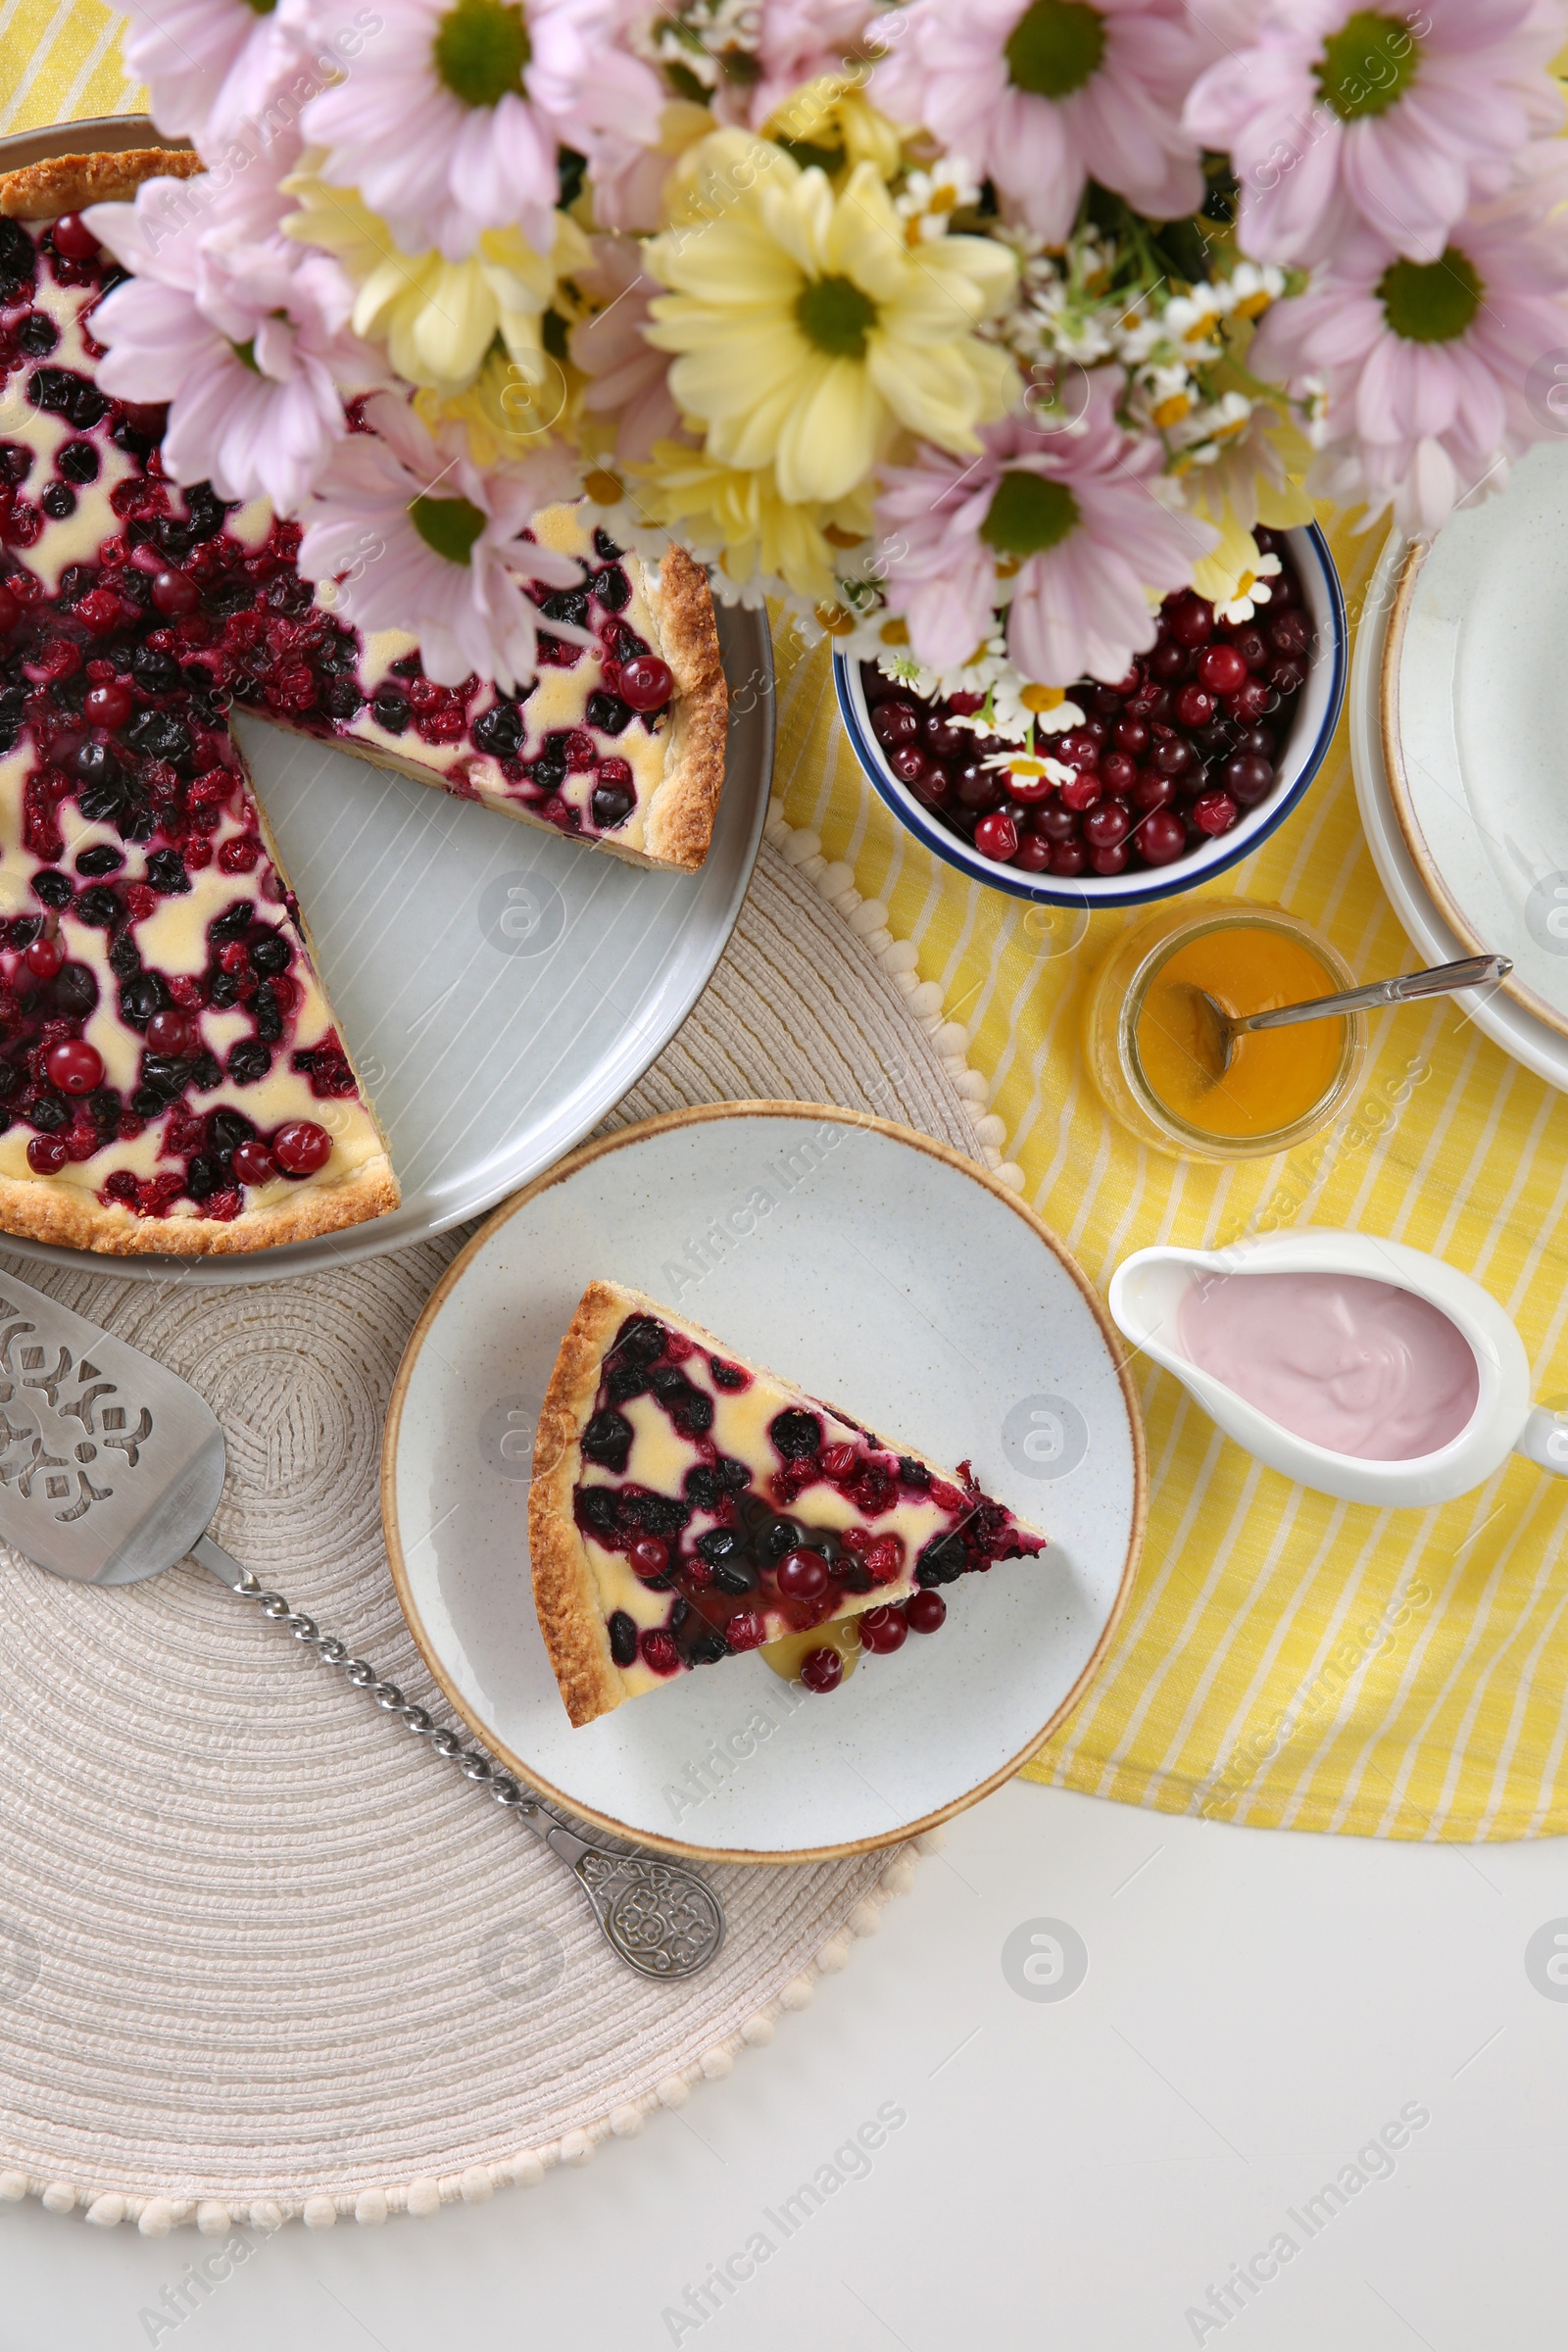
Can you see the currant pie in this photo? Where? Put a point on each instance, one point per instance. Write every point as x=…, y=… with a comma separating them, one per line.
x=687, y=1506
x=172, y=1079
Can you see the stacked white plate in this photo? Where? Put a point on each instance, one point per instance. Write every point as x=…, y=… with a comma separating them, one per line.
x=1459, y=722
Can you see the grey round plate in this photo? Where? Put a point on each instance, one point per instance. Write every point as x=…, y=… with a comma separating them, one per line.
x=500, y=988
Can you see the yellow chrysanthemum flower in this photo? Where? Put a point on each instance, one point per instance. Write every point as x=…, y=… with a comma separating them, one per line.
x=509, y=408
x=839, y=126
x=740, y=518
x=438, y=319
x=806, y=332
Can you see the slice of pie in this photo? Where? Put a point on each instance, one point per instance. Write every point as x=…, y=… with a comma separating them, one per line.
x=172, y=1079
x=171, y=1076
x=687, y=1506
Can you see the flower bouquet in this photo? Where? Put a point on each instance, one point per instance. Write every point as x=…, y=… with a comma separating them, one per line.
x=1000, y=341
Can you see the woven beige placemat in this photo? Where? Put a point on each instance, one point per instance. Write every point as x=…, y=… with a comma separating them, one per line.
x=260, y=1955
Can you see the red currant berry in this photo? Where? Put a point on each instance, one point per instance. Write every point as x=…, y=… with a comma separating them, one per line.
x=1221, y=668
x=646, y=683
x=107, y=706
x=1213, y=812
x=1289, y=633
x=73, y=238
x=1110, y=861
x=1169, y=660
x=170, y=1032
x=882, y=1631
x=1162, y=837
x=75, y=1066
x=839, y=1461
x=650, y=1556
x=1195, y=707
x=1253, y=699
x=47, y=1154
x=1286, y=677
x=1080, y=793
x=1068, y=860
x=802, y=1575
x=942, y=739
x=1053, y=823
x=660, y=1652
x=44, y=958
x=746, y=1630
x=1118, y=771
x=253, y=1162
x=1192, y=620
x=885, y=1561
x=1031, y=791
x=1252, y=645
x=1172, y=756
x=1080, y=748
x=996, y=836
x=821, y=1670
x=1249, y=778
x=300, y=1147
x=1153, y=790
x=895, y=722
x=234, y=956
x=1131, y=735
x=174, y=594
x=925, y=1612
x=977, y=787
x=1107, y=825
x=1034, y=855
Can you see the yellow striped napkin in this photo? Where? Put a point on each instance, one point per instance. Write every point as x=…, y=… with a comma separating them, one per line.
x=1286, y=1659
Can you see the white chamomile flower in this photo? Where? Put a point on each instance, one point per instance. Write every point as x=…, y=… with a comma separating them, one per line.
x=1024, y=765
x=1251, y=286
x=1192, y=318
x=1251, y=590
x=929, y=199
x=1019, y=704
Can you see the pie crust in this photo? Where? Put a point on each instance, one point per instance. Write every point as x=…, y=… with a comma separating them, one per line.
x=576, y=1596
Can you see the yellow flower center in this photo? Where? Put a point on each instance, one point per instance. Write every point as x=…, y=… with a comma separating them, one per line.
x=833, y=313
x=604, y=488
x=1054, y=47
x=1042, y=698
x=481, y=50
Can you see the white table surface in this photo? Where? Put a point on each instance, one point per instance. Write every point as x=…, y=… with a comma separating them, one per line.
x=1073, y=2173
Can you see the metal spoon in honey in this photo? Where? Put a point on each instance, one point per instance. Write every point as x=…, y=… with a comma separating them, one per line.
x=1214, y=1031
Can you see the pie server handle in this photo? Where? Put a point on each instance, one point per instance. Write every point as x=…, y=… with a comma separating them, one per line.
x=660, y=1917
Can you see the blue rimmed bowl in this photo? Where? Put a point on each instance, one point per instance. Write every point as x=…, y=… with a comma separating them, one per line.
x=1317, y=712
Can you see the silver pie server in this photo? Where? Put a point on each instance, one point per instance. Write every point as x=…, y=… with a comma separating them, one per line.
x=111, y=1468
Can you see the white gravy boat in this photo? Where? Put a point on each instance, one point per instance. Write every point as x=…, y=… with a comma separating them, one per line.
x=1146, y=1294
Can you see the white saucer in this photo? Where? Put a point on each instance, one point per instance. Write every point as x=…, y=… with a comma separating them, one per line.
x=1497, y=1015
x=1475, y=714
x=877, y=1268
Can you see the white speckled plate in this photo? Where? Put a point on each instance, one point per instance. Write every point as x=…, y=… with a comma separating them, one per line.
x=1475, y=720
x=878, y=1269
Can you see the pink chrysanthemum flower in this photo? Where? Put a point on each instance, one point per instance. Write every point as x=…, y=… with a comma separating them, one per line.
x=1335, y=115
x=243, y=334
x=1040, y=98
x=417, y=537
x=798, y=41
x=629, y=379
x=450, y=120
x=212, y=66
x=1425, y=368
x=1063, y=523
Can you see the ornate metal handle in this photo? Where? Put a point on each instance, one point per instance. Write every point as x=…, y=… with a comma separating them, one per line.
x=661, y=1919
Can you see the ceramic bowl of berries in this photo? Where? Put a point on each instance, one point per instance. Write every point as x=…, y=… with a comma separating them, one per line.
x=1178, y=769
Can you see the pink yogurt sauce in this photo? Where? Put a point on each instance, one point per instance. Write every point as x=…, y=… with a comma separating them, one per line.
x=1357, y=1366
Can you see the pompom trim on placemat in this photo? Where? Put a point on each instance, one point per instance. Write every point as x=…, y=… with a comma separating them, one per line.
x=155, y=2216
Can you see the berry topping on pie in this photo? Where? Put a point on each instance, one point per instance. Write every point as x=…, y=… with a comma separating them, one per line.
x=687, y=1507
